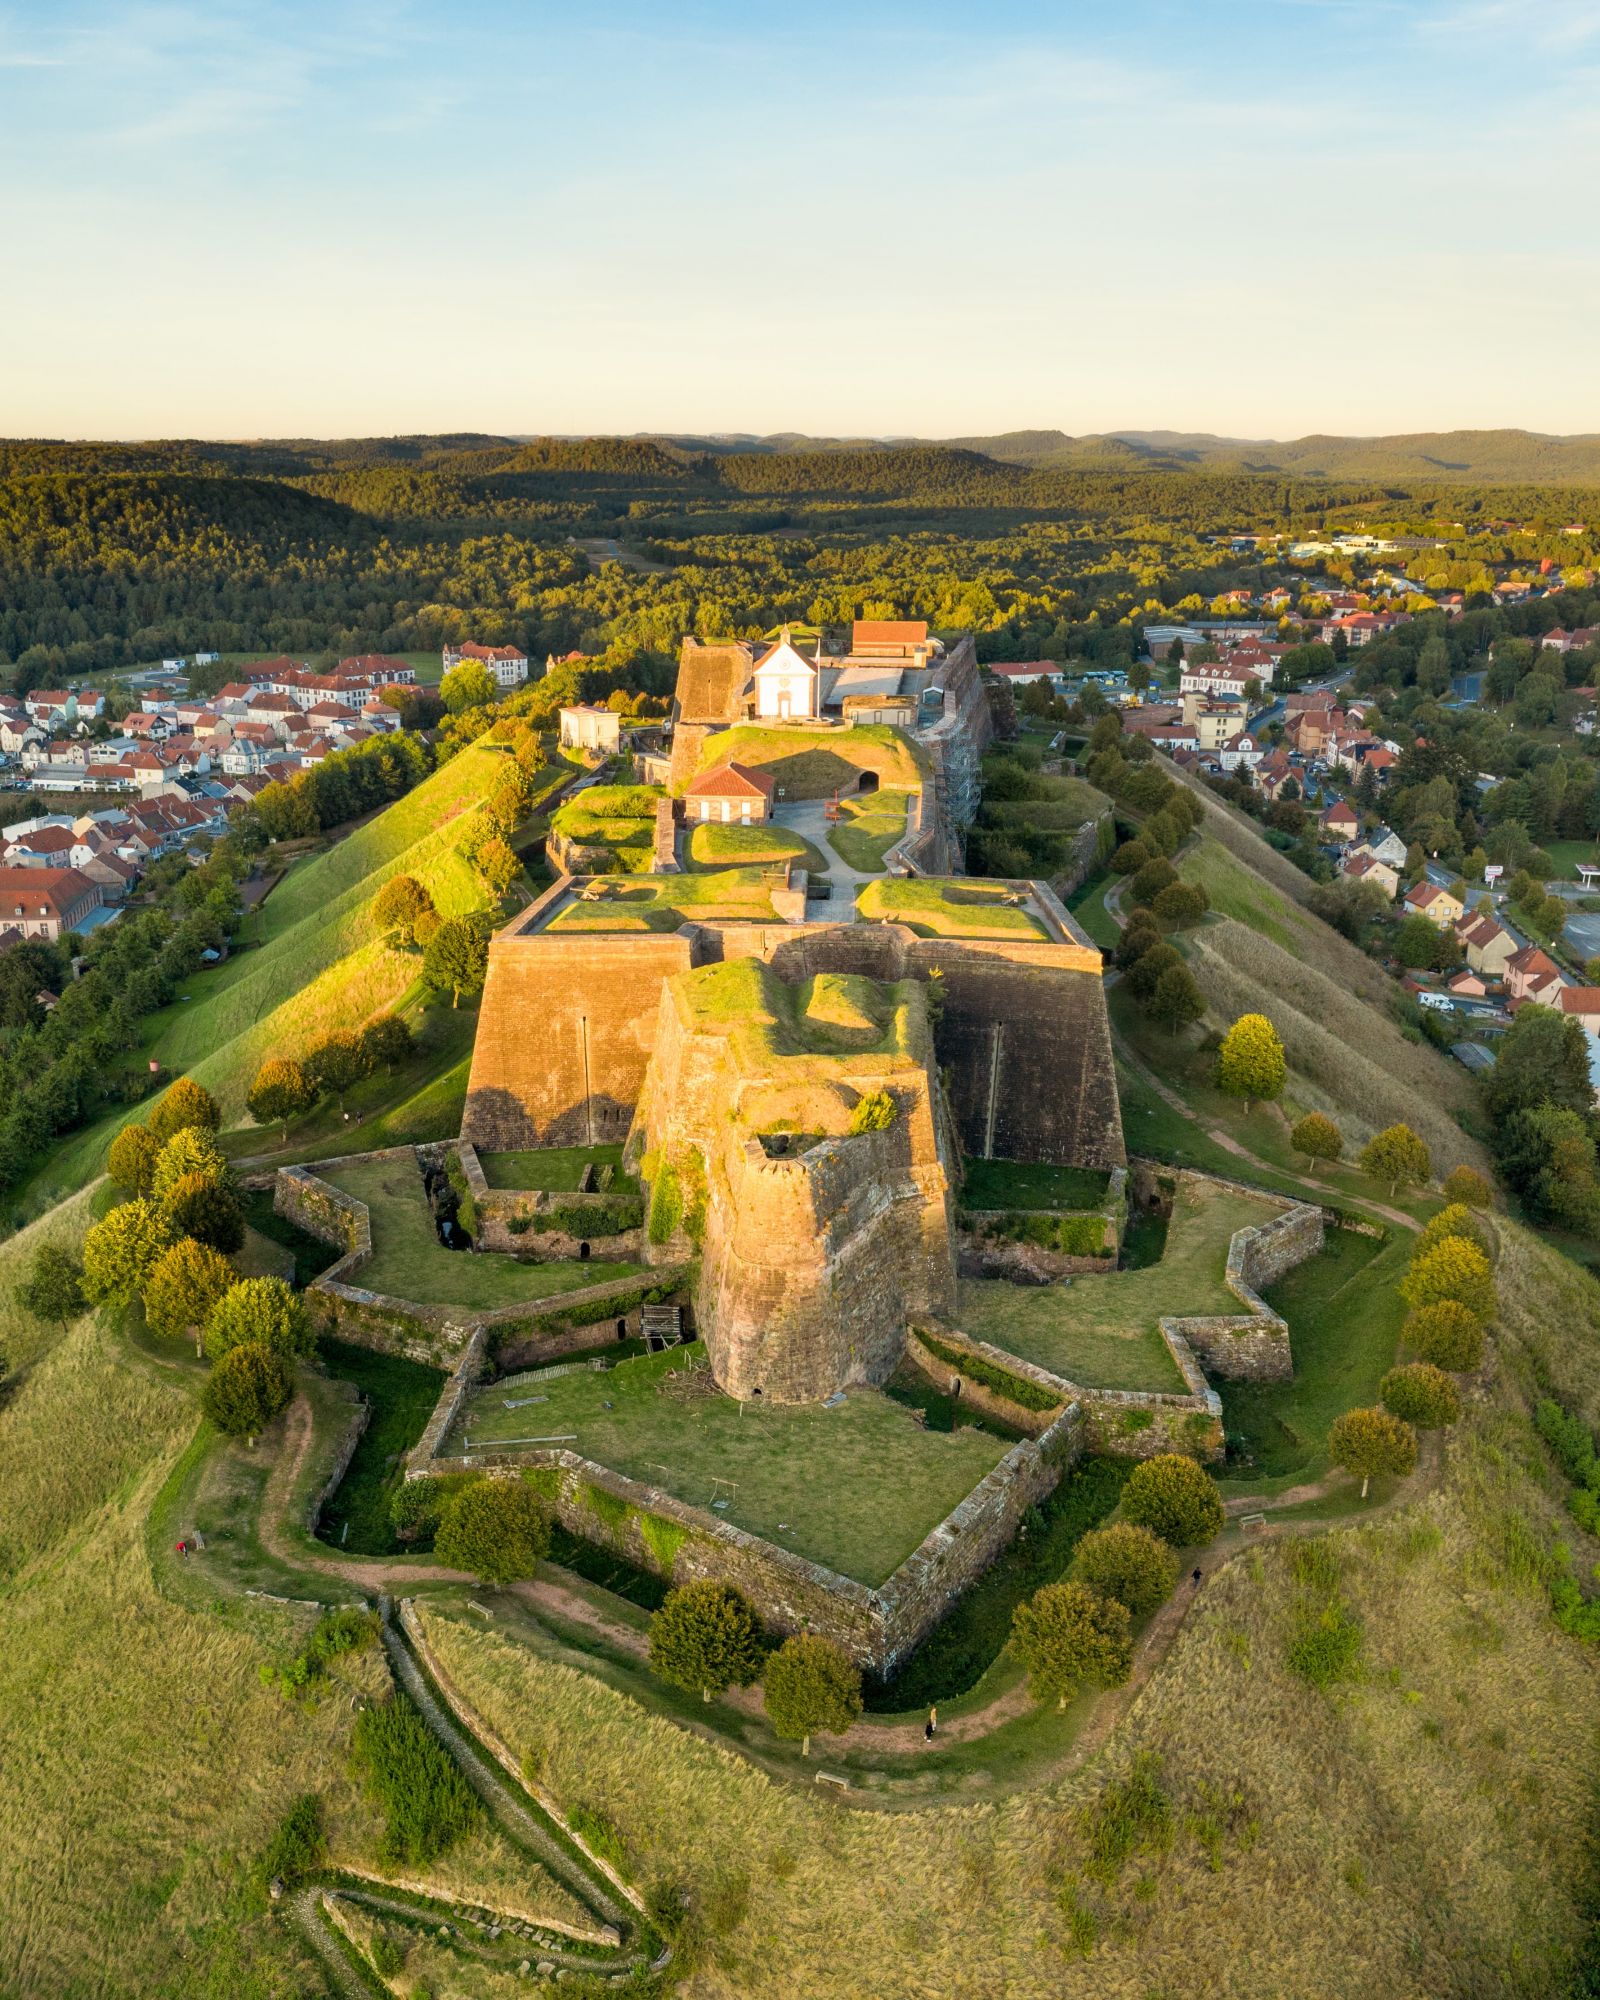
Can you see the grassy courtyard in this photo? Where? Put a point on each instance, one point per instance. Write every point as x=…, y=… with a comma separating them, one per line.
x=667, y=902
x=811, y=763
x=870, y=827
x=856, y=1487
x=1100, y=1330
x=713, y=846
x=935, y=908
x=409, y=1261
x=549, y=1169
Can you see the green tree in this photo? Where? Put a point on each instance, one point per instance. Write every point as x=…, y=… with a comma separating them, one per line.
x=1447, y=1334
x=471, y=685
x=495, y=1529
x=208, y=1210
x=457, y=958
x=1128, y=1563
x=336, y=1062
x=1367, y=1443
x=498, y=866
x=1181, y=904
x=279, y=1091
x=1251, y=1063
x=1453, y=1270
x=185, y=1282
x=1065, y=1635
x=1148, y=970
x=397, y=906
x=132, y=1158
x=1454, y=1219
x=259, y=1312
x=191, y=1150
x=1317, y=1137
x=387, y=1041
x=1398, y=1156
x=246, y=1390
x=1151, y=880
x=120, y=1251
x=1175, y=1498
x=704, y=1639
x=1420, y=1394
x=873, y=1111
x=1542, y=1059
x=53, y=1288
x=811, y=1684
x=1468, y=1186
x=187, y=1104
x=1177, y=1001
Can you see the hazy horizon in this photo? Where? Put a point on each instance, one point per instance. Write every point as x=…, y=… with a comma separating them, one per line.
x=1267, y=219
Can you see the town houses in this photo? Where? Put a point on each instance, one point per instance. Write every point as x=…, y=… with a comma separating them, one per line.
x=508, y=664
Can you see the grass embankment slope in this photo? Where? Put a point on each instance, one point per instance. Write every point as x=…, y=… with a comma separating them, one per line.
x=308, y=961
x=814, y=763
x=1261, y=952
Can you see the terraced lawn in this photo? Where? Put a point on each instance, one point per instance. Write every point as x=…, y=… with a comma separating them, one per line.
x=1100, y=1329
x=935, y=908
x=870, y=827
x=667, y=902
x=857, y=1487
x=713, y=846
x=409, y=1261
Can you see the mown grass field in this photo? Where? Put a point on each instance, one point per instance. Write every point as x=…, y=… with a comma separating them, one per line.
x=1101, y=1329
x=856, y=1487
x=870, y=827
x=307, y=961
x=558, y=1169
x=409, y=1261
x=667, y=902
x=712, y=846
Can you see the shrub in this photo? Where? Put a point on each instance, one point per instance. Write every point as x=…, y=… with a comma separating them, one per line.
x=1130, y=1817
x=1318, y=1138
x=1452, y=1270
x=1456, y=1219
x=1468, y=1186
x=1366, y=1442
x=1066, y=1634
x=246, y=1390
x=132, y=1158
x=704, y=1639
x=811, y=1684
x=1446, y=1334
x=872, y=1112
x=1326, y=1647
x=1420, y=1394
x=1251, y=1062
x=1128, y=1563
x=1174, y=1498
x=298, y=1847
x=260, y=1311
x=496, y=1529
x=426, y=1803
x=186, y=1105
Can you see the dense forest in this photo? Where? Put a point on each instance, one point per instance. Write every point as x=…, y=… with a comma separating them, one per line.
x=112, y=554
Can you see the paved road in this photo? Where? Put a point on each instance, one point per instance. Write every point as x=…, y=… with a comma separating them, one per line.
x=808, y=817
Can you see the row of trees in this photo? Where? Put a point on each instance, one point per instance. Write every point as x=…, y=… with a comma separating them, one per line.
x=286, y=1087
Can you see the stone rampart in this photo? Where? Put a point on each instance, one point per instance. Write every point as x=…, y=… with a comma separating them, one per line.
x=877, y=1627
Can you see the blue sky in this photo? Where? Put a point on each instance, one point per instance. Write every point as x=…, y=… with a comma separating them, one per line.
x=1258, y=217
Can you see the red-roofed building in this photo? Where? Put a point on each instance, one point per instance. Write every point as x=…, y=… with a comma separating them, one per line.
x=508, y=666
x=1583, y=1003
x=45, y=902
x=890, y=638
x=1532, y=974
x=1340, y=822
x=730, y=793
x=377, y=670
x=1439, y=906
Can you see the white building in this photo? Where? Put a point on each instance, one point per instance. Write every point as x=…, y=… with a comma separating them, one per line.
x=786, y=684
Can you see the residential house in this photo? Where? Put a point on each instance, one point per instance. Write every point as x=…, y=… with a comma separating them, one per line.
x=1439, y=906
x=1359, y=865
x=1531, y=974
x=731, y=793
x=1583, y=1004
x=1386, y=845
x=1340, y=824
x=46, y=902
x=1274, y=771
x=1242, y=750
x=1469, y=986
x=1489, y=946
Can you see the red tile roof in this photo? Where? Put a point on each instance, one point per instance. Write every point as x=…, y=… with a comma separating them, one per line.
x=731, y=781
x=888, y=632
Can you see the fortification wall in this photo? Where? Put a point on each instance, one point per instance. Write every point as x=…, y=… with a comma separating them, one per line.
x=565, y=1031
